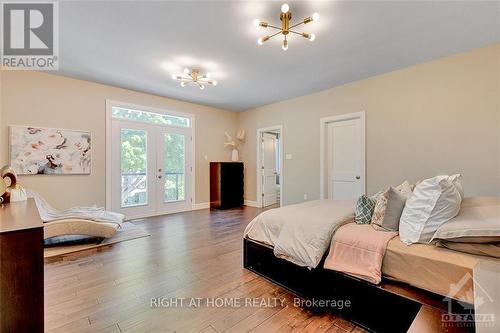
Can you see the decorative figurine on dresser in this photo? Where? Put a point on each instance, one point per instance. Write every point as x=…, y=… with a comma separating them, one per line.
x=10, y=189
x=226, y=185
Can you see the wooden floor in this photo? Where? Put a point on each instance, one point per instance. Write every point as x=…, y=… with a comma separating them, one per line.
x=194, y=254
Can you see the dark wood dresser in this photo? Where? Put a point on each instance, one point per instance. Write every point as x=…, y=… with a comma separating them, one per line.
x=226, y=185
x=21, y=268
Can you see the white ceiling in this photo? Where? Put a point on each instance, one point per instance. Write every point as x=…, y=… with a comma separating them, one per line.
x=139, y=44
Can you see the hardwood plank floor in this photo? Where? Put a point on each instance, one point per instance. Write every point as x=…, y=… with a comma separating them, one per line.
x=193, y=254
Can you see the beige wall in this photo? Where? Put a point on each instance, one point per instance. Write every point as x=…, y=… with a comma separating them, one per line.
x=39, y=99
x=438, y=117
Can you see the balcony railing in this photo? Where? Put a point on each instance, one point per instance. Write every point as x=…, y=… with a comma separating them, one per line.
x=134, y=187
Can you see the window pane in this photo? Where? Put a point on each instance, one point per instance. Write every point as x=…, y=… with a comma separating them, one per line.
x=175, y=162
x=133, y=167
x=150, y=117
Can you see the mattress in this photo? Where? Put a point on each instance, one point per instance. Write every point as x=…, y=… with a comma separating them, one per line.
x=439, y=270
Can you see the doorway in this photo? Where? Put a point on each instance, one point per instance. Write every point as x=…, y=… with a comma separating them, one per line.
x=342, y=156
x=270, y=166
x=149, y=161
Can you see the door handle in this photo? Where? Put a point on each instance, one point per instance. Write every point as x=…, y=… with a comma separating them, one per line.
x=159, y=170
x=358, y=177
x=159, y=176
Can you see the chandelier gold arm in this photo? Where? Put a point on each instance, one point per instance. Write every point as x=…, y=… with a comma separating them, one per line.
x=274, y=27
x=303, y=34
x=296, y=25
x=276, y=33
x=266, y=38
x=207, y=81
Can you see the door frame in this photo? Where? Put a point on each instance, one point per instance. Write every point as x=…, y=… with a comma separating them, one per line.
x=109, y=170
x=323, y=122
x=260, y=131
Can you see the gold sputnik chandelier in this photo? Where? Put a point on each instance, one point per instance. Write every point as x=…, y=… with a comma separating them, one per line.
x=286, y=28
x=194, y=76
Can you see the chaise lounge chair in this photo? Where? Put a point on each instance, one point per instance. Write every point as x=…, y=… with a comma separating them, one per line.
x=81, y=221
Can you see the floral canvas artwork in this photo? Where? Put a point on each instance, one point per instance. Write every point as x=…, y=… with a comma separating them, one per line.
x=48, y=151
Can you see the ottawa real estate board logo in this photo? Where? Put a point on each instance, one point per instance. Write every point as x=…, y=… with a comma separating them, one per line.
x=29, y=36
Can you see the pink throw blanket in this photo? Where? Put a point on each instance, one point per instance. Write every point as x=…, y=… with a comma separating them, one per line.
x=358, y=250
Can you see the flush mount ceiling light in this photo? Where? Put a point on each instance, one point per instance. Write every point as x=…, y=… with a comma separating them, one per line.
x=286, y=28
x=194, y=76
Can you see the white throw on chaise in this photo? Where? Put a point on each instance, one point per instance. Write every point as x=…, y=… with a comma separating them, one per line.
x=88, y=221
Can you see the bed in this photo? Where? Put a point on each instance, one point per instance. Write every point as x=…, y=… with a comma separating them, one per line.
x=301, y=234
x=288, y=246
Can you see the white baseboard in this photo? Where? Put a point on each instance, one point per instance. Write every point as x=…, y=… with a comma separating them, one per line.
x=250, y=203
x=202, y=205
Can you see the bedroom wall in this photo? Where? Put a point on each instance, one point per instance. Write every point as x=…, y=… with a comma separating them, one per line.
x=40, y=99
x=438, y=117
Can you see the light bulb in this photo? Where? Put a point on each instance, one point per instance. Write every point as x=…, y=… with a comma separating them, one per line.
x=256, y=22
x=285, y=45
x=208, y=75
x=285, y=8
x=186, y=70
x=260, y=41
x=315, y=17
x=202, y=87
x=183, y=84
x=214, y=83
x=312, y=37
x=174, y=76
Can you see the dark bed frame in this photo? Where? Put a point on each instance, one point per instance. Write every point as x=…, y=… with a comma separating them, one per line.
x=387, y=307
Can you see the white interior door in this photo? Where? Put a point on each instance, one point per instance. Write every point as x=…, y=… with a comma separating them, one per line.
x=151, y=169
x=345, y=159
x=269, y=169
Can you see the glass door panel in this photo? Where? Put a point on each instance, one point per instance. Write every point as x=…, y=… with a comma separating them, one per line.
x=134, y=162
x=174, y=154
x=175, y=167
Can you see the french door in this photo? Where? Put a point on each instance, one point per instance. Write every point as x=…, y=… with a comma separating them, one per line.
x=151, y=168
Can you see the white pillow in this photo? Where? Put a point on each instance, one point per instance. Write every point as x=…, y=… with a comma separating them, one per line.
x=433, y=202
x=456, y=180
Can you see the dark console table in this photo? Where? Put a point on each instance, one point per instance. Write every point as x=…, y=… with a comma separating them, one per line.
x=21, y=268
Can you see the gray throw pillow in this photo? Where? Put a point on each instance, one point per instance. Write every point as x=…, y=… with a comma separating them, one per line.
x=396, y=201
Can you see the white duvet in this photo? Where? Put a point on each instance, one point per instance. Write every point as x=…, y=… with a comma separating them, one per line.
x=301, y=233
